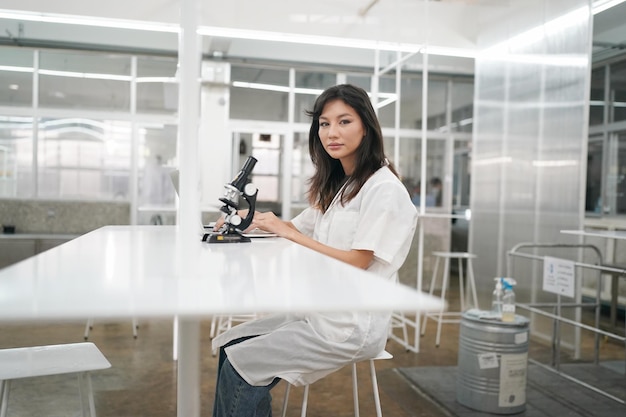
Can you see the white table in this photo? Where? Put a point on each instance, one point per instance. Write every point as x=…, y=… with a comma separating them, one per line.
x=608, y=234
x=134, y=271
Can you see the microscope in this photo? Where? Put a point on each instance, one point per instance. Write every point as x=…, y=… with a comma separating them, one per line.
x=234, y=225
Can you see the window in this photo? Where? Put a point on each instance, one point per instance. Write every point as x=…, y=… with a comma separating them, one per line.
x=16, y=156
x=157, y=87
x=80, y=80
x=83, y=159
x=618, y=91
x=596, y=104
x=16, y=77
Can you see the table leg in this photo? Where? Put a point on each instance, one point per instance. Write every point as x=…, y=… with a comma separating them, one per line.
x=188, y=394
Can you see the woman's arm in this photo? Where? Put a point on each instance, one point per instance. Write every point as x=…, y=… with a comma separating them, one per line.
x=269, y=222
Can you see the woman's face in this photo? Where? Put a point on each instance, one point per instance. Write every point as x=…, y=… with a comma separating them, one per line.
x=341, y=132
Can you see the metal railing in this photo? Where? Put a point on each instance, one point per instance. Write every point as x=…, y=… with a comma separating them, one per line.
x=557, y=307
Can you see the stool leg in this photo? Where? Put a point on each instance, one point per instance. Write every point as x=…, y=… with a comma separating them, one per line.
x=355, y=391
x=4, y=398
x=444, y=286
x=175, y=339
x=92, y=403
x=135, y=327
x=213, y=326
x=79, y=378
x=379, y=412
x=471, y=283
x=88, y=327
x=433, y=284
x=461, y=285
x=285, y=400
x=405, y=333
x=305, y=401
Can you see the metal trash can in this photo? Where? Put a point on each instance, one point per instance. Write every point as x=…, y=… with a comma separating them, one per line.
x=492, y=363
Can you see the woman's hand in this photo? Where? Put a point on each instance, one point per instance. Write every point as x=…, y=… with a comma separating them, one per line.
x=264, y=221
x=222, y=219
x=270, y=223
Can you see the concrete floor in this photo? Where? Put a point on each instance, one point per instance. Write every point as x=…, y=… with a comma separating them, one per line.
x=142, y=379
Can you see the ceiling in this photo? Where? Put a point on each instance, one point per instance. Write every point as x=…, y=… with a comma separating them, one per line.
x=276, y=29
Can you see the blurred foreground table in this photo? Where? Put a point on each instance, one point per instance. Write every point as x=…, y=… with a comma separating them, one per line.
x=139, y=271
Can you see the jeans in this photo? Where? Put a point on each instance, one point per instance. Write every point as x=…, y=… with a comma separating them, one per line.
x=234, y=397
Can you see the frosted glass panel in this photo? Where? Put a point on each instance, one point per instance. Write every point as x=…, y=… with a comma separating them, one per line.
x=530, y=135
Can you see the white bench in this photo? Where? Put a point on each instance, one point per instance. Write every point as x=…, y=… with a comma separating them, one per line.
x=27, y=362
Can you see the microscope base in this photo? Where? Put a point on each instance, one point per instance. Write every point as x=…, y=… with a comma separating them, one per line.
x=224, y=238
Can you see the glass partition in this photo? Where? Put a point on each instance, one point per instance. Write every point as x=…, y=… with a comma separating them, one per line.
x=593, y=195
x=157, y=86
x=157, y=159
x=618, y=91
x=81, y=158
x=16, y=77
x=462, y=105
x=84, y=80
x=597, y=103
x=16, y=157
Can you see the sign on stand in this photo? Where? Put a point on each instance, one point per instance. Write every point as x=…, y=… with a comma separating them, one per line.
x=558, y=276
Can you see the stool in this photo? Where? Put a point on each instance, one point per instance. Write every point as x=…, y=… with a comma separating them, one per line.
x=89, y=326
x=464, y=297
x=399, y=321
x=35, y=361
x=222, y=323
x=355, y=391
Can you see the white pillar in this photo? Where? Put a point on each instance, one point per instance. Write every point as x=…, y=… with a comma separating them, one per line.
x=215, y=143
x=188, y=398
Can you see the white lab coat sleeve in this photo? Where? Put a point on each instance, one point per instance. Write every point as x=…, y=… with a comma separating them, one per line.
x=387, y=221
x=306, y=220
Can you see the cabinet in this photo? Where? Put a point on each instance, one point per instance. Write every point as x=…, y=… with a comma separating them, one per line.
x=15, y=248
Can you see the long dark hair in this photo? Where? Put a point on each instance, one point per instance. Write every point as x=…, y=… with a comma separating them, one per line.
x=329, y=175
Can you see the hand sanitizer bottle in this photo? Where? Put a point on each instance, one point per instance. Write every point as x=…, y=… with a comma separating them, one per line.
x=496, y=299
x=508, y=300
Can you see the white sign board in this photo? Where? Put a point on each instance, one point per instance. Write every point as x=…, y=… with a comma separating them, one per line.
x=558, y=276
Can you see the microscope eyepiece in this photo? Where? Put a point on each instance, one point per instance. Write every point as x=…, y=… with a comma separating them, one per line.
x=241, y=179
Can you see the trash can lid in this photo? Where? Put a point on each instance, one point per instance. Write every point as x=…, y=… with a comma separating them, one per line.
x=490, y=317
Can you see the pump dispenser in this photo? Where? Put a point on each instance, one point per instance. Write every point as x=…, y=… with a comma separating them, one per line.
x=508, y=300
x=496, y=298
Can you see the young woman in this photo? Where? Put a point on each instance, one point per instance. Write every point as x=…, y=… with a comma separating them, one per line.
x=361, y=214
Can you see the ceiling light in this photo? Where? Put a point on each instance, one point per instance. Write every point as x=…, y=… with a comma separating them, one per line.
x=236, y=33
x=87, y=75
x=556, y=163
x=89, y=21
x=333, y=41
x=15, y=69
x=498, y=160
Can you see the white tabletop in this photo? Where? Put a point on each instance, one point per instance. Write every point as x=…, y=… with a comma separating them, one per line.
x=608, y=234
x=134, y=271
x=131, y=271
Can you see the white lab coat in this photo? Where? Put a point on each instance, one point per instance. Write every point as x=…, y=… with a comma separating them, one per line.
x=302, y=348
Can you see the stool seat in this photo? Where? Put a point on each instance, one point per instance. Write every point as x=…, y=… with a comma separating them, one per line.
x=463, y=295
x=36, y=361
x=355, y=390
x=461, y=255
